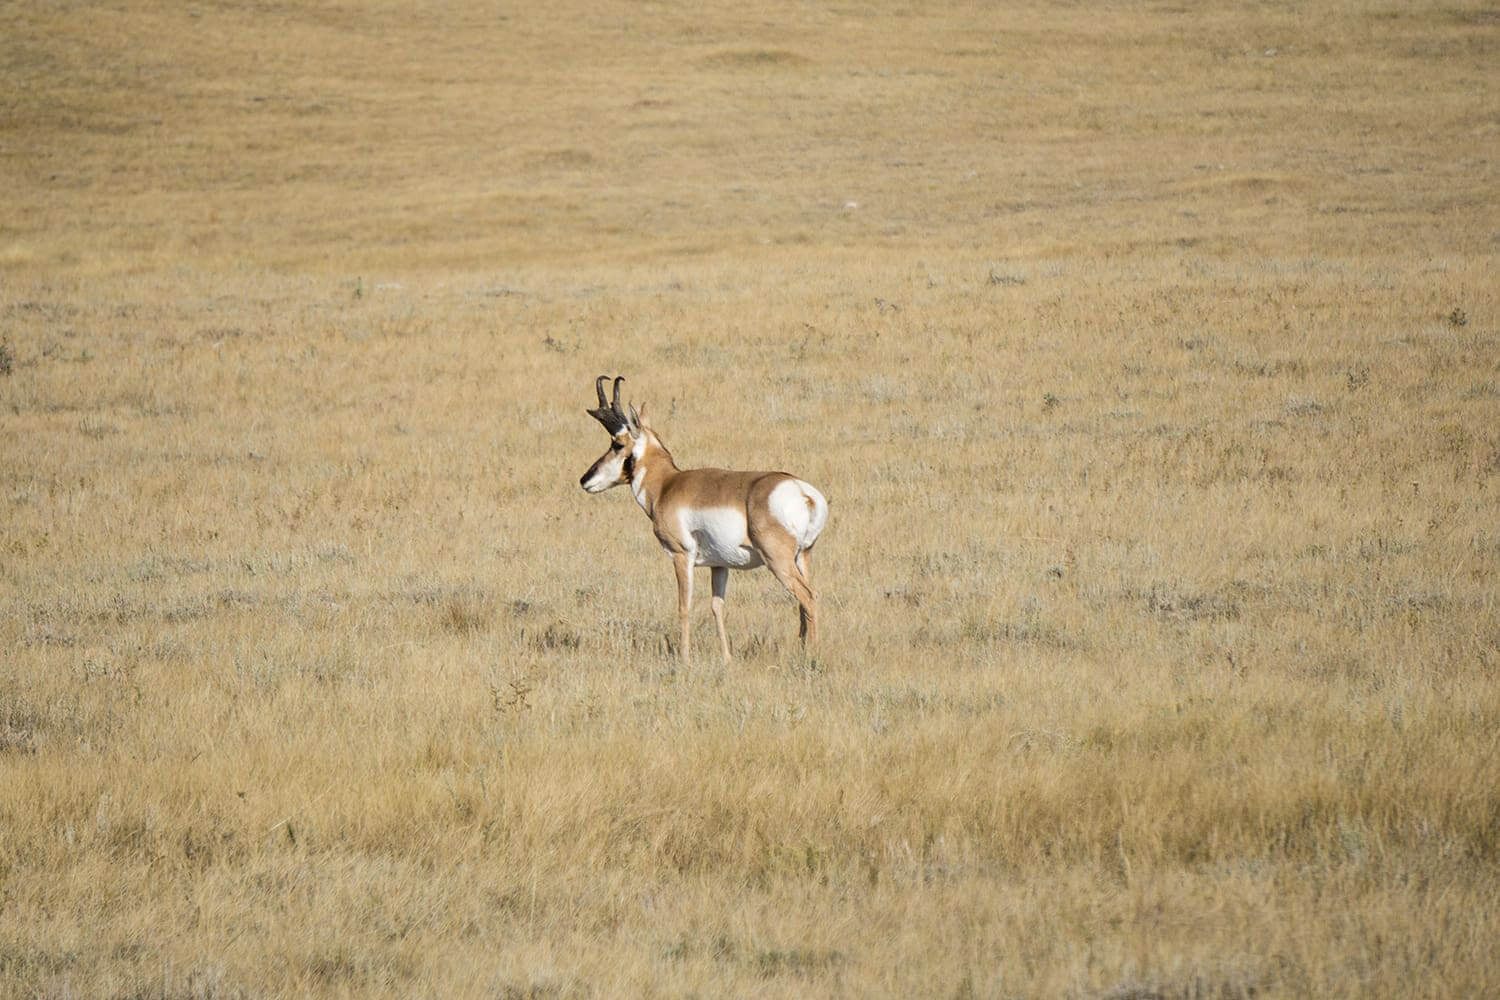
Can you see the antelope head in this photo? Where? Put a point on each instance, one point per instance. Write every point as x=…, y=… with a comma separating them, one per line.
x=627, y=441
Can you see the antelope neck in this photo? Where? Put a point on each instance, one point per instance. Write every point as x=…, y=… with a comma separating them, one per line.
x=650, y=474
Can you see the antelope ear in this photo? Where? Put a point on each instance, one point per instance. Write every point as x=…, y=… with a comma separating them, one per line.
x=640, y=416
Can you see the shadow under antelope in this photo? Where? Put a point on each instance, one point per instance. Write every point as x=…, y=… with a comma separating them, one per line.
x=720, y=518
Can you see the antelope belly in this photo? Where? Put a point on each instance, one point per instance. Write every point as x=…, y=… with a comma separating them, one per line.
x=722, y=538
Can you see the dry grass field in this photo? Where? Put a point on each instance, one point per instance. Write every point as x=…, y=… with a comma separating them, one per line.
x=1147, y=353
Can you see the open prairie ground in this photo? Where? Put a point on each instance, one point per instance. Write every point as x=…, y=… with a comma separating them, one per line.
x=1148, y=355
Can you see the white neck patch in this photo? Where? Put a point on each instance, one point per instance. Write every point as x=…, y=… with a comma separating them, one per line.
x=638, y=474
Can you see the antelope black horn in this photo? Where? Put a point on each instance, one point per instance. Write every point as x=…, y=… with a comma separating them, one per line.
x=625, y=414
x=606, y=414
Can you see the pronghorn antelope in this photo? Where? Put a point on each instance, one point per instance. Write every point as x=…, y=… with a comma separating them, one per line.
x=711, y=517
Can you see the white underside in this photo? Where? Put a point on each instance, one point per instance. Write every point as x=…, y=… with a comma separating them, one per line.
x=720, y=538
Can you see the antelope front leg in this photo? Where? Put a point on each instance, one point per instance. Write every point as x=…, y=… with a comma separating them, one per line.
x=682, y=562
x=721, y=587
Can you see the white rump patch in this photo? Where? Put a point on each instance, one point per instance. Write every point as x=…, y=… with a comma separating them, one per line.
x=800, y=509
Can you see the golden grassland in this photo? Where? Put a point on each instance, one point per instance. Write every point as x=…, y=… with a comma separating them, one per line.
x=1147, y=355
